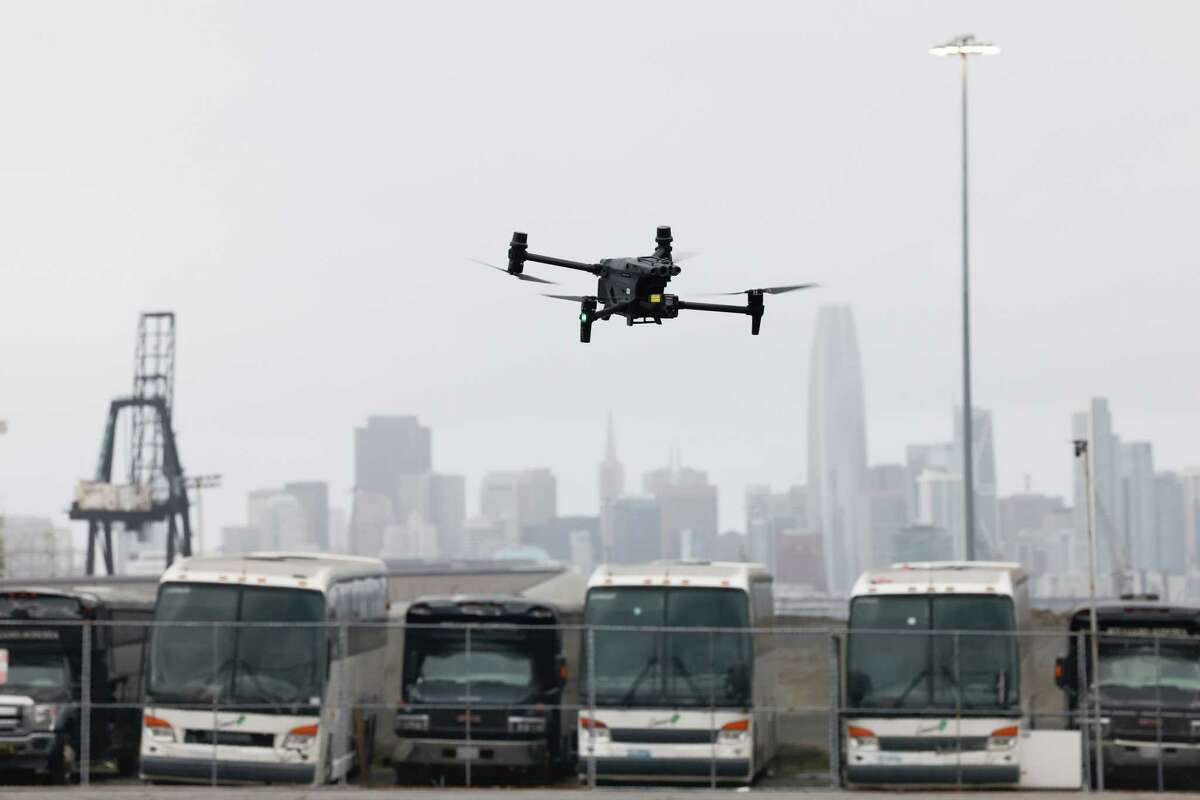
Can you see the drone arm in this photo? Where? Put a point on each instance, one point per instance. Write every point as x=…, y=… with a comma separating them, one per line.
x=562, y=262
x=605, y=313
x=753, y=307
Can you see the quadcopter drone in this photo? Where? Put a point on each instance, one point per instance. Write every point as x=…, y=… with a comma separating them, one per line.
x=634, y=288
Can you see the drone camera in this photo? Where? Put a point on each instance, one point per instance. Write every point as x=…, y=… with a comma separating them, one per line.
x=664, y=235
x=516, y=252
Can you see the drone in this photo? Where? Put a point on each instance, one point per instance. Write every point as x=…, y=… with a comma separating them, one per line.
x=634, y=288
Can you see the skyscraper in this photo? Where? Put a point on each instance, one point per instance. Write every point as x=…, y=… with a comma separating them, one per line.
x=837, y=447
x=1170, y=523
x=386, y=452
x=1104, y=448
x=611, y=474
x=1140, y=501
x=518, y=500
x=688, y=504
x=313, y=497
x=983, y=468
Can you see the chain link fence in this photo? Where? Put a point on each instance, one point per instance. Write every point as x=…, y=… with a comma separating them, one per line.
x=363, y=703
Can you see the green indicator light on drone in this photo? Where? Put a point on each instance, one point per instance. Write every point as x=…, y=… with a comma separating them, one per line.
x=583, y=317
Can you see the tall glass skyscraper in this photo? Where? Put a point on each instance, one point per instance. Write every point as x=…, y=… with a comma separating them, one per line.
x=837, y=448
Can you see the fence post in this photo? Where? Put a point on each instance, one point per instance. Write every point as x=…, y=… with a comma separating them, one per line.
x=712, y=714
x=85, y=711
x=343, y=718
x=835, y=711
x=1081, y=707
x=1159, y=708
x=467, y=713
x=591, y=673
x=216, y=705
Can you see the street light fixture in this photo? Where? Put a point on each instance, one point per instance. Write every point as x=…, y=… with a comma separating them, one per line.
x=964, y=47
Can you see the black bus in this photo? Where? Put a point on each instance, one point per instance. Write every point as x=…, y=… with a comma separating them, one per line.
x=1148, y=682
x=42, y=671
x=482, y=686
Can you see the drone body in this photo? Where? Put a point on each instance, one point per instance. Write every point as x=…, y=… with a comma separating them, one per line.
x=635, y=288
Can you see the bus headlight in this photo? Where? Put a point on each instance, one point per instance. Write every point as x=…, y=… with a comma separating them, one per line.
x=736, y=731
x=411, y=722
x=301, y=738
x=44, y=717
x=526, y=724
x=862, y=737
x=159, y=729
x=1003, y=738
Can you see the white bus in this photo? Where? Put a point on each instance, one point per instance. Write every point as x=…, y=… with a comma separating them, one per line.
x=934, y=668
x=694, y=702
x=269, y=693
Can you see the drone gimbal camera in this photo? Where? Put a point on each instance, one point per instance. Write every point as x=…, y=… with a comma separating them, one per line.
x=634, y=288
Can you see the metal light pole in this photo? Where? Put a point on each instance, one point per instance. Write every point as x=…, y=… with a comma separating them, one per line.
x=964, y=47
x=1081, y=450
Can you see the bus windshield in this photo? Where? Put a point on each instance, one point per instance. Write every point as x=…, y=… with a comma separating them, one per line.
x=1133, y=668
x=934, y=653
x=637, y=663
x=281, y=663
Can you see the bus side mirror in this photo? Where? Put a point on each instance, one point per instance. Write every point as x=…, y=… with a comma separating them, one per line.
x=1060, y=673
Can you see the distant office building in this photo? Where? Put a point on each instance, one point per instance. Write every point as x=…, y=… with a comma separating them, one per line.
x=920, y=457
x=388, y=450
x=1190, y=478
x=732, y=546
x=1170, y=523
x=313, y=497
x=983, y=465
x=611, y=474
x=1047, y=547
x=238, y=539
x=837, y=448
x=940, y=507
x=559, y=537
x=636, y=531
x=688, y=505
x=1022, y=513
x=280, y=519
x=769, y=514
x=485, y=538
x=1139, y=501
x=31, y=547
x=518, y=500
x=887, y=506
x=924, y=543
x=371, y=512
x=444, y=506
x=1112, y=545
x=413, y=539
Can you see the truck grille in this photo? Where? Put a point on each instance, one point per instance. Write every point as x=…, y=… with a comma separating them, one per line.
x=11, y=720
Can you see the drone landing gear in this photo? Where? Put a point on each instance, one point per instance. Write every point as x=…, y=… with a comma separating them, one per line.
x=586, y=316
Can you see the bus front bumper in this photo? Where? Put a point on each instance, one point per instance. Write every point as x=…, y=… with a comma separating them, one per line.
x=1132, y=754
x=687, y=769
x=874, y=774
x=194, y=770
x=479, y=752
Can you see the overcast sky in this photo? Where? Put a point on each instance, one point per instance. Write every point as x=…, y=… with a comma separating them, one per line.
x=303, y=182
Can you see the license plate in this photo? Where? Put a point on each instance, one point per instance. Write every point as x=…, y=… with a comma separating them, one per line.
x=467, y=753
x=638, y=753
x=7, y=749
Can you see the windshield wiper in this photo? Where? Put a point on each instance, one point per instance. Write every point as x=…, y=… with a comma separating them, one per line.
x=900, y=700
x=637, y=682
x=677, y=662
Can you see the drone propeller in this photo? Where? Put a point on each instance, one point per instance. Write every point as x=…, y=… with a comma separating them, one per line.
x=522, y=276
x=574, y=298
x=767, y=290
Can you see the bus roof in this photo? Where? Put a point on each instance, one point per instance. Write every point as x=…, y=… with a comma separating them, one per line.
x=947, y=577
x=704, y=574
x=292, y=570
x=117, y=596
x=1138, y=614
